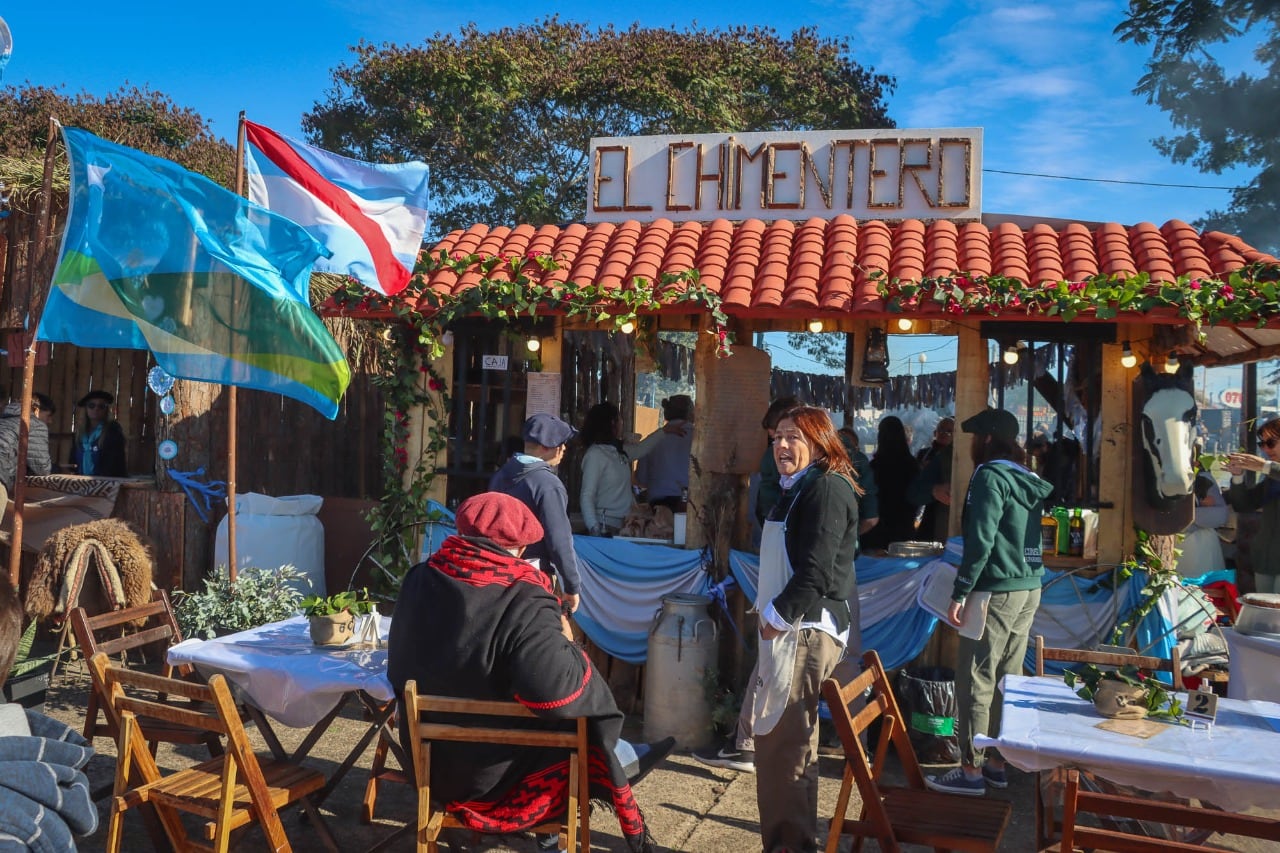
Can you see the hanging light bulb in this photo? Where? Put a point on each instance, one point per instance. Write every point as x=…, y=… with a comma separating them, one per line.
x=905, y=324
x=447, y=339
x=1127, y=358
x=534, y=344
x=1171, y=363
x=627, y=328
x=1011, y=354
x=815, y=326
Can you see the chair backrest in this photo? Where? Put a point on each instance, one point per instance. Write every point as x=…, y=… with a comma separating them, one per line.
x=1171, y=664
x=482, y=728
x=850, y=725
x=116, y=634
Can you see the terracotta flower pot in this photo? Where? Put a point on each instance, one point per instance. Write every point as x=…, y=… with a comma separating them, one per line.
x=1119, y=700
x=335, y=630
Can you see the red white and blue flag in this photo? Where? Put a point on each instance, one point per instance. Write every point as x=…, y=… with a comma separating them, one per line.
x=372, y=216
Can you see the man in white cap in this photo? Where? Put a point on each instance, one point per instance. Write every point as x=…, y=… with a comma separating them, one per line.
x=531, y=477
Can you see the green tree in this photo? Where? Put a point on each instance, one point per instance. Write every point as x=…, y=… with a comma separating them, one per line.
x=140, y=118
x=505, y=118
x=1228, y=119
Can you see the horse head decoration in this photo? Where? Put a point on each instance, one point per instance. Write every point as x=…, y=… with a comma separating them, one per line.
x=1168, y=431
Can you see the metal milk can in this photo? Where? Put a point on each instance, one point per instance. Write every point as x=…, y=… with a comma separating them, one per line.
x=683, y=646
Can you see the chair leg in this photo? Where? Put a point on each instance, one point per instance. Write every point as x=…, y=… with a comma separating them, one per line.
x=837, y=819
x=1069, y=795
x=371, y=787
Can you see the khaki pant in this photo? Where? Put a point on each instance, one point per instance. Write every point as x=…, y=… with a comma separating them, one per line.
x=787, y=757
x=982, y=663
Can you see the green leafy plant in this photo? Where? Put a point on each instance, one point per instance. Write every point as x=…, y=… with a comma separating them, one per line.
x=357, y=601
x=725, y=704
x=1160, y=703
x=256, y=597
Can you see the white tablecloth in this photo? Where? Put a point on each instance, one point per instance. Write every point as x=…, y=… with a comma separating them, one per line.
x=1255, y=666
x=279, y=670
x=1233, y=766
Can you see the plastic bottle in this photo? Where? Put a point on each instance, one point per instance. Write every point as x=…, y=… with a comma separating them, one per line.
x=1063, y=518
x=1076, y=534
x=1048, y=535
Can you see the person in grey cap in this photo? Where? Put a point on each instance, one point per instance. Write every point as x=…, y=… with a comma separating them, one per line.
x=531, y=477
x=1001, y=524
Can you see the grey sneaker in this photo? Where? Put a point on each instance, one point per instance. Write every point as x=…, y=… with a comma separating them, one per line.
x=742, y=760
x=955, y=782
x=995, y=778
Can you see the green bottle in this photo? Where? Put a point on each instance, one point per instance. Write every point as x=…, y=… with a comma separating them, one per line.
x=1063, y=518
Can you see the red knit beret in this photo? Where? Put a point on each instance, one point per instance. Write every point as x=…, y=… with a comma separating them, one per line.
x=501, y=518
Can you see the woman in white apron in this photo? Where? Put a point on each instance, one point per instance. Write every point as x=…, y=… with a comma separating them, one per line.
x=806, y=579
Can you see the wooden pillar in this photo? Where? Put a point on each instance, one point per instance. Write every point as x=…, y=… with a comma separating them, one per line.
x=195, y=427
x=420, y=422
x=973, y=389
x=1115, y=463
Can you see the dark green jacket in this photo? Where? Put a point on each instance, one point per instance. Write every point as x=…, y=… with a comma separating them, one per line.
x=1001, y=524
x=1259, y=492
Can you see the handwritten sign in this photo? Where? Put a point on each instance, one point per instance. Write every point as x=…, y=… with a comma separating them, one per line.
x=494, y=362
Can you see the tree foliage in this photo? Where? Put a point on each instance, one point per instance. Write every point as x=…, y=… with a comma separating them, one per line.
x=140, y=118
x=505, y=118
x=1228, y=119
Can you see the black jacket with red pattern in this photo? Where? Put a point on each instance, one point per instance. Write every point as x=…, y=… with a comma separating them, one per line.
x=477, y=623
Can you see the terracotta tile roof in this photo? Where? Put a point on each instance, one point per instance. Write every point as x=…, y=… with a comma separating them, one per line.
x=823, y=267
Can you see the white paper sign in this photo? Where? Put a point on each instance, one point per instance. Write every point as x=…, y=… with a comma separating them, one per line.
x=542, y=394
x=494, y=362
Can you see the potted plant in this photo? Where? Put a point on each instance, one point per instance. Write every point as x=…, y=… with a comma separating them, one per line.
x=1126, y=692
x=28, y=680
x=257, y=597
x=333, y=617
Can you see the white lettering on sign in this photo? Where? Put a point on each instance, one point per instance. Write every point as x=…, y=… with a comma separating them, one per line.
x=494, y=362
x=870, y=174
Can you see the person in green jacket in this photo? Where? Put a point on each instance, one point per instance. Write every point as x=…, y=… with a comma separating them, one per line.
x=1001, y=527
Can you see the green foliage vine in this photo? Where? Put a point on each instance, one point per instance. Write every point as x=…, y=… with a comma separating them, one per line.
x=509, y=287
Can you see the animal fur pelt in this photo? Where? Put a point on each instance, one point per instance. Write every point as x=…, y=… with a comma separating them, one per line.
x=122, y=560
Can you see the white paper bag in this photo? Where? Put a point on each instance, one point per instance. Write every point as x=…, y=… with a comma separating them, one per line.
x=935, y=596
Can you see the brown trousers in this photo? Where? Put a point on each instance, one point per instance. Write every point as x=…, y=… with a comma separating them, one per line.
x=787, y=757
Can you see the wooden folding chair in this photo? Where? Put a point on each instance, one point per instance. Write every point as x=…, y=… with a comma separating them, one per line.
x=231, y=791
x=575, y=829
x=1047, y=826
x=893, y=816
x=123, y=634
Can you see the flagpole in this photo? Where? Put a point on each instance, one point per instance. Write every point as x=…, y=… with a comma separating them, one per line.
x=232, y=408
x=34, y=307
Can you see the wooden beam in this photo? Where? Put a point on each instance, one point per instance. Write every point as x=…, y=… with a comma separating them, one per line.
x=973, y=384
x=1115, y=468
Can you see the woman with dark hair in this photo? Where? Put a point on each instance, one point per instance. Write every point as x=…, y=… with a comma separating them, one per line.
x=1001, y=524
x=99, y=448
x=895, y=469
x=806, y=585
x=665, y=471
x=606, y=496
x=1255, y=484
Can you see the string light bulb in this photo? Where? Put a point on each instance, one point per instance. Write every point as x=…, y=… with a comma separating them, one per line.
x=447, y=339
x=905, y=324
x=815, y=326
x=1011, y=354
x=1171, y=363
x=534, y=344
x=1127, y=359
x=627, y=327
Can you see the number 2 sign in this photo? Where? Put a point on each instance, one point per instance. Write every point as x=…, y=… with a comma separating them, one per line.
x=1202, y=705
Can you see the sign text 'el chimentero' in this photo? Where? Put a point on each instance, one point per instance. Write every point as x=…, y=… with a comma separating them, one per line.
x=869, y=174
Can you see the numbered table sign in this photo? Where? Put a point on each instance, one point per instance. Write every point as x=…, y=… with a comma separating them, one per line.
x=1202, y=706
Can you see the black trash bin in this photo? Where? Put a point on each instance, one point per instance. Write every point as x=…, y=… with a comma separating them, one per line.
x=927, y=698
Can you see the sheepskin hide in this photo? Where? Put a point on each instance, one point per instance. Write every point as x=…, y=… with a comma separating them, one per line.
x=108, y=540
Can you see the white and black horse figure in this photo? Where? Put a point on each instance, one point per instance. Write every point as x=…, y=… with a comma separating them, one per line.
x=1168, y=416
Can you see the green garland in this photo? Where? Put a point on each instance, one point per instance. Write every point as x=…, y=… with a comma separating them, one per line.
x=1250, y=295
x=509, y=288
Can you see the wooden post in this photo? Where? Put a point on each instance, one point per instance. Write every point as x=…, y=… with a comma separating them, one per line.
x=973, y=389
x=36, y=307
x=1115, y=469
x=232, y=409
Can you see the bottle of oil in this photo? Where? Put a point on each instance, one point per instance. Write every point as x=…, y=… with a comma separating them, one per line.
x=1048, y=535
x=1075, y=534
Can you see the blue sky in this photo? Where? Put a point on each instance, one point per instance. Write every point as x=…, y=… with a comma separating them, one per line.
x=1048, y=82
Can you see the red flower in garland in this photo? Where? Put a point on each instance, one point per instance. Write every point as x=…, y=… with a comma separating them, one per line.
x=435, y=384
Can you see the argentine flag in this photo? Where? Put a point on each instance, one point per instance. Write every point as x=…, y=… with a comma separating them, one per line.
x=370, y=216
